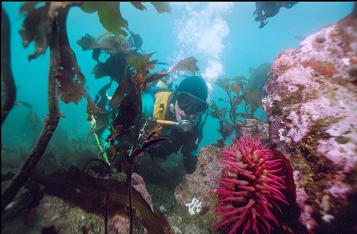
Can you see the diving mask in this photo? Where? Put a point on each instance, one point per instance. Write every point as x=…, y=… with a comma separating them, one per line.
x=191, y=104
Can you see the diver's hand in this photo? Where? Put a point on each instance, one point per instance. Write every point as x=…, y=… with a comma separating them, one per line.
x=189, y=162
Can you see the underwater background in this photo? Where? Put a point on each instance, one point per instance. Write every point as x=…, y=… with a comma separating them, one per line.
x=223, y=37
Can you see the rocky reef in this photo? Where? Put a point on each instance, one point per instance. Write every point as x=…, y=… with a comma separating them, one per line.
x=254, y=127
x=311, y=107
x=55, y=215
x=194, y=195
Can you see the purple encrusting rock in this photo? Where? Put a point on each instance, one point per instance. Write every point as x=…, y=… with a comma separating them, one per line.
x=312, y=111
x=194, y=196
x=258, y=129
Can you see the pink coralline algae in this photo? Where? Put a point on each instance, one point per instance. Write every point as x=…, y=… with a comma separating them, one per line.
x=251, y=189
x=311, y=107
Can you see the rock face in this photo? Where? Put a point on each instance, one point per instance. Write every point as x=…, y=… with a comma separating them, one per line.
x=194, y=196
x=254, y=127
x=55, y=214
x=312, y=111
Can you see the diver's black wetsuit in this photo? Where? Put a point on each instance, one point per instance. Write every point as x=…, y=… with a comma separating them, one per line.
x=176, y=139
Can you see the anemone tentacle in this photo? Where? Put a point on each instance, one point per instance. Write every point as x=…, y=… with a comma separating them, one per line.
x=250, y=188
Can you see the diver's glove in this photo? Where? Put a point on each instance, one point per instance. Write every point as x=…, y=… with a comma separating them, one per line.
x=189, y=162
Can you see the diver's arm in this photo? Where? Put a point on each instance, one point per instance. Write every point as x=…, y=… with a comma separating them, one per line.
x=190, y=154
x=190, y=148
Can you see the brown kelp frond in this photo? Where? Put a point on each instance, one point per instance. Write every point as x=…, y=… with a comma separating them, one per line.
x=188, y=65
x=37, y=27
x=87, y=192
x=27, y=7
x=239, y=91
x=265, y=10
x=111, y=43
x=7, y=78
x=162, y=7
x=254, y=92
x=137, y=41
x=45, y=25
x=116, y=46
x=142, y=65
x=258, y=76
x=69, y=75
x=51, y=122
x=254, y=99
x=125, y=62
x=109, y=15
x=225, y=128
x=37, y=24
x=138, y=5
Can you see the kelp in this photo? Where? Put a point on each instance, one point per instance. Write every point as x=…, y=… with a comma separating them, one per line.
x=45, y=25
x=130, y=64
x=27, y=7
x=132, y=142
x=101, y=97
x=254, y=91
x=253, y=97
x=115, y=67
x=187, y=64
x=138, y=5
x=141, y=144
x=6, y=71
x=110, y=43
x=101, y=120
x=37, y=24
x=71, y=80
x=32, y=116
x=51, y=122
x=110, y=16
x=130, y=70
x=28, y=199
x=240, y=92
x=126, y=124
x=88, y=192
x=234, y=89
x=126, y=62
x=37, y=28
x=143, y=65
x=137, y=40
x=265, y=10
x=129, y=108
x=101, y=117
x=258, y=77
x=225, y=127
x=162, y=7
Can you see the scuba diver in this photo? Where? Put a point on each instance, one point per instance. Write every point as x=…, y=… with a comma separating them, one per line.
x=178, y=115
